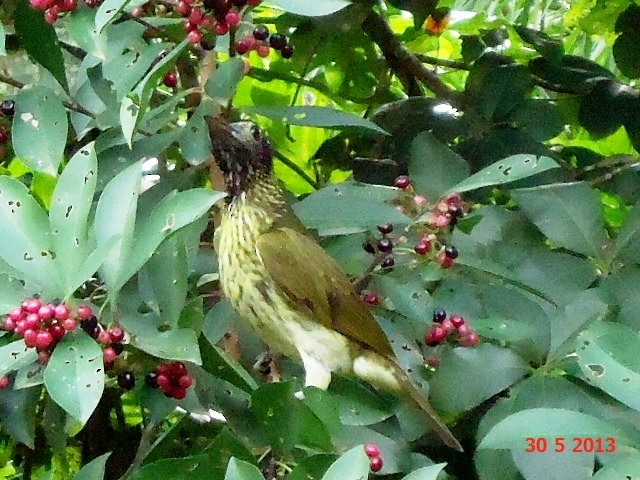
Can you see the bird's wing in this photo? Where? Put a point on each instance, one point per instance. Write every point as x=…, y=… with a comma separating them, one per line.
x=314, y=284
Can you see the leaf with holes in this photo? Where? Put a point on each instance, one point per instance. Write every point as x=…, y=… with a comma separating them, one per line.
x=39, y=130
x=108, y=11
x=72, y=200
x=25, y=243
x=15, y=355
x=11, y=293
x=74, y=376
x=506, y=170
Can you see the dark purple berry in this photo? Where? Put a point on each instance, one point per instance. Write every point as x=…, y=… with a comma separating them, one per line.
x=261, y=32
x=8, y=107
x=152, y=379
x=451, y=252
x=388, y=262
x=277, y=41
x=385, y=245
x=369, y=248
x=287, y=51
x=439, y=315
x=126, y=380
x=118, y=348
x=385, y=228
x=455, y=211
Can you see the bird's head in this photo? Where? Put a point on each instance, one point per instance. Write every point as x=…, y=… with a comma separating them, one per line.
x=241, y=150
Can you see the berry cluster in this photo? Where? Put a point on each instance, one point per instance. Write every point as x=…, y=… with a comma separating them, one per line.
x=110, y=338
x=447, y=327
x=40, y=325
x=172, y=378
x=262, y=42
x=375, y=459
x=53, y=8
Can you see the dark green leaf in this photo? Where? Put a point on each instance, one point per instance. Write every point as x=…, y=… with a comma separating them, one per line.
x=626, y=245
x=353, y=465
x=221, y=86
x=543, y=43
x=358, y=405
x=625, y=54
x=18, y=413
x=194, y=138
x=503, y=329
x=39, y=39
x=94, y=470
x=39, y=131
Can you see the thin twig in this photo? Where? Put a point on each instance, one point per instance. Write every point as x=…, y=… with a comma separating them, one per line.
x=296, y=169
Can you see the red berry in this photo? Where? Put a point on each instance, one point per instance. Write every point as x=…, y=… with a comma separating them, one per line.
x=469, y=340
x=375, y=464
x=163, y=369
x=57, y=331
x=194, y=37
x=287, y=51
x=242, y=46
x=44, y=339
x=61, y=312
x=162, y=381
x=183, y=8
x=254, y=3
x=263, y=50
x=69, y=324
x=232, y=19
x=30, y=336
x=16, y=314
x=185, y=381
x=448, y=326
x=104, y=337
x=195, y=17
x=372, y=450
x=85, y=312
x=422, y=247
x=9, y=324
x=33, y=305
x=464, y=329
x=116, y=333
x=435, y=335
x=453, y=199
x=402, y=181
x=41, y=4
x=170, y=79
x=67, y=5
x=51, y=15
x=43, y=356
x=178, y=369
x=433, y=361
x=46, y=312
x=21, y=327
x=444, y=260
x=457, y=320
x=178, y=393
x=137, y=12
x=4, y=136
x=221, y=28
x=32, y=321
x=370, y=298
x=109, y=355
x=4, y=382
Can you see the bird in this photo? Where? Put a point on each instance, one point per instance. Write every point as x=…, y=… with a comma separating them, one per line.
x=280, y=280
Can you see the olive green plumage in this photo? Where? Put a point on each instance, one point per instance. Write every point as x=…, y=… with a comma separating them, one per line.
x=294, y=295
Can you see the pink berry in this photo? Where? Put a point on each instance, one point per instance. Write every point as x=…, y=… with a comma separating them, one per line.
x=433, y=361
x=464, y=329
x=194, y=37
x=16, y=314
x=221, y=28
x=30, y=337
x=372, y=450
x=104, y=337
x=375, y=464
x=444, y=261
x=419, y=201
x=9, y=324
x=448, y=326
x=178, y=369
x=189, y=27
x=422, y=247
x=21, y=327
x=109, y=355
x=4, y=382
x=116, y=333
x=85, y=312
x=41, y=4
x=32, y=321
x=263, y=50
x=51, y=15
x=469, y=340
x=402, y=182
x=61, y=312
x=162, y=381
x=183, y=8
x=33, y=305
x=67, y=5
x=242, y=47
x=453, y=199
x=435, y=335
x=43, y=357
x=137, y=12
x=43, y=340
x=69, y=324
x=46, y=312
x=370, y=298
x=457, y=320
x=232, y=19
x=185, y=381
x=195, y=16
x=442, y=206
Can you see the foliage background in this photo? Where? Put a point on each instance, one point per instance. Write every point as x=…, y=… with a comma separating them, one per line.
x=527, y=107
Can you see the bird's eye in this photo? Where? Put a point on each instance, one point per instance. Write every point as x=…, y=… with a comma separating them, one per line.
x=255, y=132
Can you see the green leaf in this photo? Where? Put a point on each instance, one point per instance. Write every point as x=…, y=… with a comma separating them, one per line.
x=627, y=243
x=239, y=470
x=624, y=53
x=2, y=40
x=175, y=211
x=135, y=105
x=74, y=376
x=627, y=466
x=311, y=9
x=503, y=329
x=25, y=243
x=426, y=473
x=608, y=359
x=286, y=420
x=94, y=470
x=569, y=214
x=512, y=432
x=358, y=405
x=221, y=86
x=15, y=355
x=72, y=200
x=11, y=293
x=353, y=465
x=123, y=191
x=311, y=467
x=404, y=293
x=314, y=117
x=18, y=413
x=39, y=131
x=178, y=344
x=39, y=39
x=195, y=144
x=543, y=43
x=506, y=170
x=349, y=207
x=220, y=318
x=108, y=11
x=473, y=385
x=434, y=168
